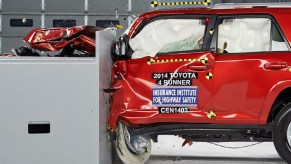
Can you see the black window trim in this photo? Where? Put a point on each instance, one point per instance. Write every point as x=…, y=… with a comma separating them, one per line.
x=205, y=46
x=263, y=15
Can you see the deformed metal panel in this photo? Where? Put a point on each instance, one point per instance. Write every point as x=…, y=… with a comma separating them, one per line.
x=108, y=6
x=67, y=6
x=21, y=31
x=21, y=5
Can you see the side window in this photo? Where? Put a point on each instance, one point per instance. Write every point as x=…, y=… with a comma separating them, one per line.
x=242, y=35
x=278, y=43
x=169, y=36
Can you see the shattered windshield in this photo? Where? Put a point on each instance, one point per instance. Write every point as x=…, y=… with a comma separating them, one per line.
x=168, y=35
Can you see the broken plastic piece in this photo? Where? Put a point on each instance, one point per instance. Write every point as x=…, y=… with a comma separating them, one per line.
x=187, y=142
x=24, y=51
x=8, y=54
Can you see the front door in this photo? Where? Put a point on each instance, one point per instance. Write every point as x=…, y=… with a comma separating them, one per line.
x=174, y=84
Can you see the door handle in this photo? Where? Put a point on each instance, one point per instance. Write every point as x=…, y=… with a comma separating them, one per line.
x=275, y=65
x=198, y=67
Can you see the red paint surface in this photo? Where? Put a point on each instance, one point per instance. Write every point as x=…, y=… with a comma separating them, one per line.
x=241, y=91
x=54, y=39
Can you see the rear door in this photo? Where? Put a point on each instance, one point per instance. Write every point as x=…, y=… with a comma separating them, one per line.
x=252, y=56
x=171, y=68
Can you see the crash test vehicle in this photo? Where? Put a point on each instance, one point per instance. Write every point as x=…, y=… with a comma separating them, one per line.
x=209, y=74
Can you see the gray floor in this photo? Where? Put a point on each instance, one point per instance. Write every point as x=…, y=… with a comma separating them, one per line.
x=169, y=150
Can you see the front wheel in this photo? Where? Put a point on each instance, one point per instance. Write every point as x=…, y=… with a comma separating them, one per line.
x=282, y=133
x=130, y=149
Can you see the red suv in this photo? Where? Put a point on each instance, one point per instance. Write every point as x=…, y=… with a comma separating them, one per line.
x=213, y=75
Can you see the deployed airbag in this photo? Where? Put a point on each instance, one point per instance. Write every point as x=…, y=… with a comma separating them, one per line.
x=167, y=35
x=245, y=35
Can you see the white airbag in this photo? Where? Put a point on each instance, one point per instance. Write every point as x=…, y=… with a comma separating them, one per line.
x=245, y=35
x=160, y=33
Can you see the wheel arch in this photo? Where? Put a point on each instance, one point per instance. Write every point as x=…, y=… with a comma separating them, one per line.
x=277, y=95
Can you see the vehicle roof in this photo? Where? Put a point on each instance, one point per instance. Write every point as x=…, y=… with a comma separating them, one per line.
x=255, y=9
x=251, y=5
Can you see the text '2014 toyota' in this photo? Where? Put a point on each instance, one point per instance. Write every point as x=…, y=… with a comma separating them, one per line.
x=207, y=75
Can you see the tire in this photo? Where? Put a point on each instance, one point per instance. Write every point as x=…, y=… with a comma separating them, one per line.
x=280, y=138
x=122, y=155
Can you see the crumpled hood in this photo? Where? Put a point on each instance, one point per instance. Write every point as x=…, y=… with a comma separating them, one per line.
x=54, y=39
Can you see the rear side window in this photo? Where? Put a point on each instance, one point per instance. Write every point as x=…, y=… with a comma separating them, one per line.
x=278, y=43
x=243, y=35
x=169, y=36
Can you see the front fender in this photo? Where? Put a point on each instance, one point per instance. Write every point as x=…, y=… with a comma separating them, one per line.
x=270, y=99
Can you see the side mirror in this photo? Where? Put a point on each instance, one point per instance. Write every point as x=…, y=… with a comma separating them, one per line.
x=121, y=48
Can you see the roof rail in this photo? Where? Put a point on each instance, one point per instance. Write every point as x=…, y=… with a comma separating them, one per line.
x=251, y=5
